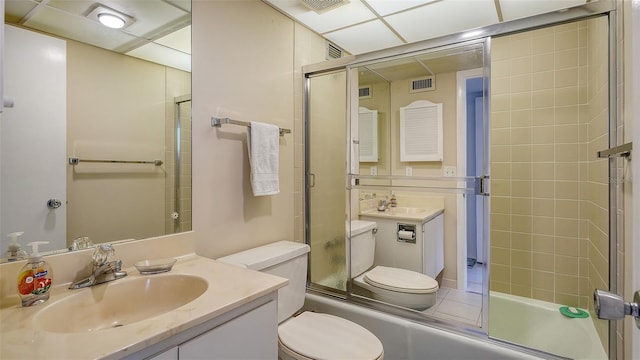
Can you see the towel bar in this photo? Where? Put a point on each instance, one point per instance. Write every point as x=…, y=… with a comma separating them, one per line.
x=217, y=122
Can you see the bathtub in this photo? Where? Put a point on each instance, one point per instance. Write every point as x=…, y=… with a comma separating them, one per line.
x=404, y=339
x=539, y=324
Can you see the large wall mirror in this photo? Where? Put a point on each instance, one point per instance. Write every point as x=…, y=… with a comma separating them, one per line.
x=97, y=147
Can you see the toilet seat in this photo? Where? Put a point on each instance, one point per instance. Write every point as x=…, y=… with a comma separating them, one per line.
x=322, y=336
x=400, y=280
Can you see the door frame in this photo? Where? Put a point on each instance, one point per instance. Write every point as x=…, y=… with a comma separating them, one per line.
x=461, y=164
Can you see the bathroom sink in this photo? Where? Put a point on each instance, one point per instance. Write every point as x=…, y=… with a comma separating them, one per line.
x=119, y=303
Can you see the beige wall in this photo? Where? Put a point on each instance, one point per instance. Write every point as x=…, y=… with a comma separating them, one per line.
x=106, y=121
x=549, y=200
x=248, y=68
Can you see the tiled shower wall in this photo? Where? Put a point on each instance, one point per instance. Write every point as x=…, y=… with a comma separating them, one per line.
x=549, y=204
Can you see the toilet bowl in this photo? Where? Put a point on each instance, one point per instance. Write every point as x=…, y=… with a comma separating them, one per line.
x=308, y=335
x=395, y=286
x=400, y=287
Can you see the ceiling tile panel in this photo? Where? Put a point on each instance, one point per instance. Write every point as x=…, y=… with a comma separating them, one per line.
x=77, y=28
x=517, y=9
x=152, y=52
x=179, y=40
x=366, y=37
x=15, y=10
x=386, y=7
x=442, y=18
x=335, y=18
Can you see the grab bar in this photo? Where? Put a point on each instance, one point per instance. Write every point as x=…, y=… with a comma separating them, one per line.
x=217, y=122
x=74, y=161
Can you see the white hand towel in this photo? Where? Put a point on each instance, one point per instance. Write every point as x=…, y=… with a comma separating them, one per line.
x=263, y=141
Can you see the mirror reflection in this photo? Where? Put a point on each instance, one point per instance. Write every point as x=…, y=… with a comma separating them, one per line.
x=404, y=243
x=83, y=91
x=405, y=237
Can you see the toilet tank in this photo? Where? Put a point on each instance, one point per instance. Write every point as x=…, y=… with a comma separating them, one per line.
x=363, y=246
x=286, y=259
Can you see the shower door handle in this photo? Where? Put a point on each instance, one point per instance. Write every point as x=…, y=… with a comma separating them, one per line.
x=610, y=306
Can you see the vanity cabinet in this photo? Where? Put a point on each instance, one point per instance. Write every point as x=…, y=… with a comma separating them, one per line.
x=253, y=334
x=425, y=256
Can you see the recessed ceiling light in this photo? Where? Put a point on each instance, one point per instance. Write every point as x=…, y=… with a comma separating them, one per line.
x=111, y=20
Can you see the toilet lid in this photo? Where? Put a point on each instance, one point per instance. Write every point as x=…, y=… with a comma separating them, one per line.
x=400, y=280
x=324, y=336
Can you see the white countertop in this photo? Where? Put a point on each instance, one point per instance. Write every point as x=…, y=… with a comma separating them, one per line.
x=229, y=287
x=421, y=215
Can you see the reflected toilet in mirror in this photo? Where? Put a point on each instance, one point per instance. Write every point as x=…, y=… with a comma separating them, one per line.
x=396, y=286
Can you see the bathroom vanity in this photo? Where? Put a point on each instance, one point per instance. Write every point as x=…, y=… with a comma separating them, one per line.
x=409, y=238
x=201, y=308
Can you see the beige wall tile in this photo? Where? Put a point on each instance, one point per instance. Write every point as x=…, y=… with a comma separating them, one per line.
x=542, y=98
x=521, y=259
x=543, y=207
x=566, y=246
x=543, y=243
x=543, y=62
x=543, y=189
x=566, y=265
x=521, y=118
x=521, y=241
x=542, y=153
x=566, y=59
x=544, y=262
x=543, y=226
x=543, y=80
x=521, y=223
x=520, y=206
x=543, y=280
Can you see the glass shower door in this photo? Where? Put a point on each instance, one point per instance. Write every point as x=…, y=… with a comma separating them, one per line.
x=549, y=190
x=326, y=174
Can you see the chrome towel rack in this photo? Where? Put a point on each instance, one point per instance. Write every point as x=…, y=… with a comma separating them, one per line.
x=74, y=161
x=217, y=122
x=617, y=151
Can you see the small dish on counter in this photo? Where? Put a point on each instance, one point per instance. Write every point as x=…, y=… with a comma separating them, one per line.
x=154, y=266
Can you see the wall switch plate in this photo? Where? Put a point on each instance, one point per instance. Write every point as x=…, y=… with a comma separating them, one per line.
x=409, y=171
x=373, y=170
x=449, y=171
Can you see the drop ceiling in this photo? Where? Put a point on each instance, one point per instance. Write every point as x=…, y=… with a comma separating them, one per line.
x=361, y=26
x=160, y=32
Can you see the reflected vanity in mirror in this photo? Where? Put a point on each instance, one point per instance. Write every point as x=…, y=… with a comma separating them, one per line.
x=98, y=145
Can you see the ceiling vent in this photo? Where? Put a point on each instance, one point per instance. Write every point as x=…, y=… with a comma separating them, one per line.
x=364, y=92
x=323, y=5
x=427, y=83
x=333, y=51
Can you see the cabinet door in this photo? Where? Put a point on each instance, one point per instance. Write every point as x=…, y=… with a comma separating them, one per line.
x=253, y=335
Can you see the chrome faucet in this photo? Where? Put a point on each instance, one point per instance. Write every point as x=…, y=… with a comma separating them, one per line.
x=103, y=270
x=383, y=204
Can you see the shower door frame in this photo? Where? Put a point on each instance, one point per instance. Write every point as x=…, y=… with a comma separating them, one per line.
x=605, y=7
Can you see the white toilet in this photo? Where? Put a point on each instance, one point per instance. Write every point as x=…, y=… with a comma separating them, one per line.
x=396, y=286
x=308, y=335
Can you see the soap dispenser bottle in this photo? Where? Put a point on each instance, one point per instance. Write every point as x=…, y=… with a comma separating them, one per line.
x=14, y=251
x=35, y=278
x=393, y=202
